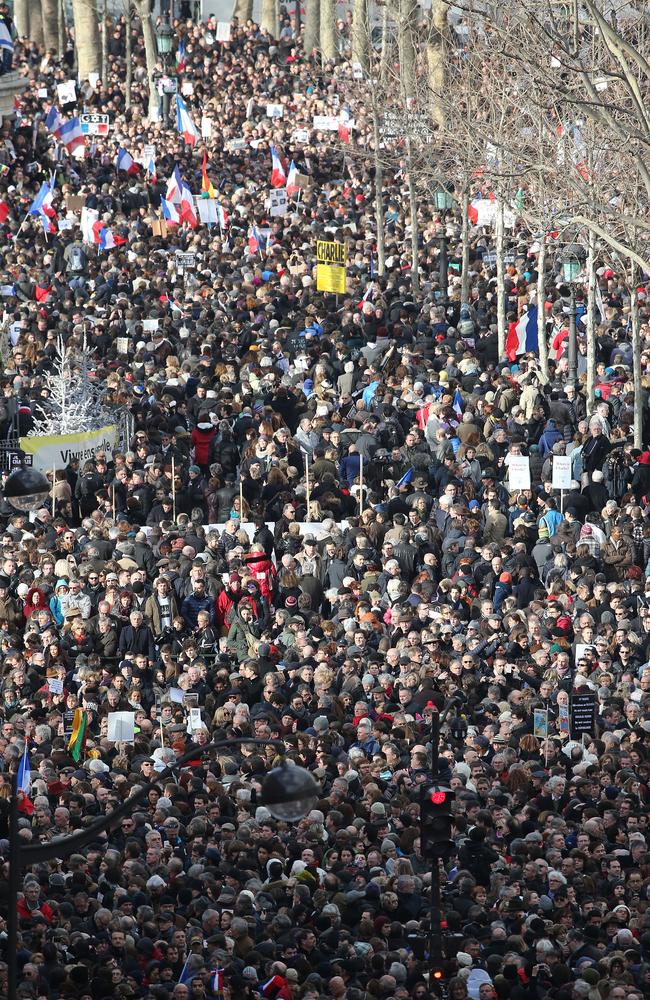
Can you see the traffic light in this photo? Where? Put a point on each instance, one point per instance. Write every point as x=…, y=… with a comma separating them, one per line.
x=436, y=822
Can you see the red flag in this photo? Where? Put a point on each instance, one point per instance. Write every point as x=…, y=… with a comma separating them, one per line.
x=4, y=212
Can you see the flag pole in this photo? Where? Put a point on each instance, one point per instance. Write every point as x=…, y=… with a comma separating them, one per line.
x=53, y=493
x=307, y=487
x=360, y=485
x=174, y=489
x=20, y=228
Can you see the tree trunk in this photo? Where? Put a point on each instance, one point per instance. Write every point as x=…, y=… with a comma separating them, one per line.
x=311, y=37
x=591, y=322
x=36, y=22
x=464, y=281
x=86, y=37
x=328, y=30
x=379, y=191
x=436, y=59
x=413, y=208
x=243, y=10
x=61, y=28
x=104, y=40
x=636, y=362
x=21, y=17
x=151, y=55
x=501, y=295
x=51, y=12
x=269, y=17
x=542, y=343
x=128, y=79
x=406, y=27
x=360, y=34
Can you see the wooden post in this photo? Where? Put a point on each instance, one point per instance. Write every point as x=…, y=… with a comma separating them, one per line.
x=173, y=489
x=307, y=486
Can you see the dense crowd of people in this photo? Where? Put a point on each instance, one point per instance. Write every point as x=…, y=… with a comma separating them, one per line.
x=315, y=535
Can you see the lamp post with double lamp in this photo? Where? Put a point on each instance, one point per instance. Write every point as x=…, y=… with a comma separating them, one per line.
x=164, y=44
x=288, y=792
x=572, y=258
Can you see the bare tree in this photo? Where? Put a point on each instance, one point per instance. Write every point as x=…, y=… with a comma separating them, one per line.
x=128, y=50
x=360, y=34
x=269, y=17
x=243, y=10
x=150, y=52
x=311, y=37
x=86, y=33
x=328, y=29
x=436, y=57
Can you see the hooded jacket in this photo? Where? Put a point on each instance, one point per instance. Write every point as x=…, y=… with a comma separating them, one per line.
x=202, y=437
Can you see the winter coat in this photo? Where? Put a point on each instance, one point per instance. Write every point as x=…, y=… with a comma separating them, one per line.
x=550, y=437
x=263, y=572
x=192, y=605
x=241, y=638
x=202, y=437
x=617, y=557
x=137, y=640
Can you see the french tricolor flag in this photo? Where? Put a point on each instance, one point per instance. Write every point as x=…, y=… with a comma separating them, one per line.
x=184, y=124
x=174, y=187
x=292, y=187
x=170, y=212
x=126, y=163
x=42, y=205
x=522, y=335
x=187, y=211
x=54, y=122
x=24, y=784
x=71, y=135
x=278, y=174
x=180, y=56
x=254, y=239
x=105, y=238
x=222, y=216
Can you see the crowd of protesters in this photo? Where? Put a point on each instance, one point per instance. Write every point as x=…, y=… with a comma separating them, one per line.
x=313, y=537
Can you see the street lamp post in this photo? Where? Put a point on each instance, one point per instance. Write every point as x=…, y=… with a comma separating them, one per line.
x=288, y=792
x=164, y=43
x=572, y=261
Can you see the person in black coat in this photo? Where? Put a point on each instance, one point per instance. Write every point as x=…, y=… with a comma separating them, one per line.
x=137, y=637
x=477, y=857
x=640, y=484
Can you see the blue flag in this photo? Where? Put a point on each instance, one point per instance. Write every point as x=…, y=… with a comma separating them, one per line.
x=458, y=403
x=24, y=775
x=406, y=478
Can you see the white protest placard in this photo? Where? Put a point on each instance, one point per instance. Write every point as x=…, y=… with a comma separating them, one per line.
x=278, y=202
x=66, y=92
x=234, y=145
x=519, y=472
x=149, y=325
x=300, y=135
x=176, y=696
x=93, y=80
x=223, y=31
x=326, y=123
x=148, y=152
x=55, y=685
x=250, y=107
x=121, y=727
x=194, y=722
x=42, y=93
x=207, y=211
x=65, y=224
x=122, y=344
x=206, y=128
x=6, y=291
x=561, y=472
x=187, y=88
x=275, y=111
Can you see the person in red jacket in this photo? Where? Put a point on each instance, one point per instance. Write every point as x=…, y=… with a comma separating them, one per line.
x=31, y=903
x=261, y=569
x=202, y=437
x=227, y=599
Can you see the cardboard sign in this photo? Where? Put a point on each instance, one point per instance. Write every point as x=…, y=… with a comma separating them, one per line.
x=223, y=31
x=122, y=344
x=159, y=227
x=278, y=202
x=540, y=723
x=583, y=714
x=75, y=202
x=302, y=180
x=519, y=472
x=561, y=472
x=207, y=211
x=185, y=260
x=330, y=278
x=94, y=124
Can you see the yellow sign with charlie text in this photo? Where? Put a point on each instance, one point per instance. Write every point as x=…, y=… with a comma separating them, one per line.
x=331, y=258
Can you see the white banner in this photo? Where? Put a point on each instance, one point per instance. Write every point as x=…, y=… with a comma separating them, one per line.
x=58, y=451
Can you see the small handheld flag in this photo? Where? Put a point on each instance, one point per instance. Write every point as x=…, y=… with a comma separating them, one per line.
x=54, y=122
x=126, y=162
x=458, y=403
x=406, y=478
x=184, y=124
x=292, y=186
x=278, y=175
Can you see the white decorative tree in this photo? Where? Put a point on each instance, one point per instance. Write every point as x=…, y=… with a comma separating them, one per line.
x=76, y=400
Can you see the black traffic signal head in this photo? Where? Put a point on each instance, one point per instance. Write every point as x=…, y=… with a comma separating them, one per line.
x=436, y=822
